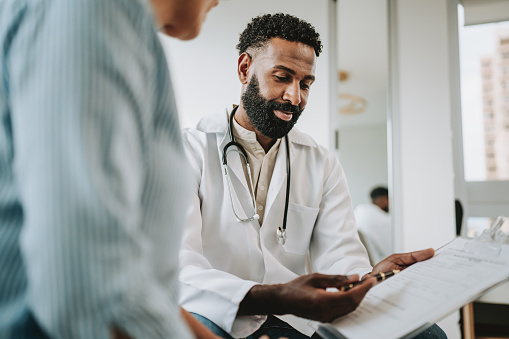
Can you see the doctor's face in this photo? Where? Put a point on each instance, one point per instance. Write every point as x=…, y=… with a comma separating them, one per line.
x=181, y=19
x=277, y=87
x=261, y=112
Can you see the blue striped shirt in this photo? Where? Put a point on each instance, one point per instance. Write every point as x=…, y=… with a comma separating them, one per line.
x=92, y=172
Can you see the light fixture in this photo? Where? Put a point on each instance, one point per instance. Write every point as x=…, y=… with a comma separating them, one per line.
x=350, y=104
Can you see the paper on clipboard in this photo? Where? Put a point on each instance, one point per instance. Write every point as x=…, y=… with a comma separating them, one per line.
x=424, y=293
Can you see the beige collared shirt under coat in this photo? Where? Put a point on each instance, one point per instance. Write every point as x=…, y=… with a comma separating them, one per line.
x=261, y=164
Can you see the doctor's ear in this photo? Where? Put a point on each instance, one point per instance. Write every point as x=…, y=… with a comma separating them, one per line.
x=243, y=65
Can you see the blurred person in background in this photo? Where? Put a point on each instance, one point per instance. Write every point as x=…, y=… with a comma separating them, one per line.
x=374, y=224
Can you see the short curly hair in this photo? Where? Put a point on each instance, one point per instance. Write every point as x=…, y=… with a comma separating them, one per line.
x=285, y=26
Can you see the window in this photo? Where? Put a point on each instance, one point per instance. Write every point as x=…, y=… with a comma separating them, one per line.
x=485, y=158
x=484, y=67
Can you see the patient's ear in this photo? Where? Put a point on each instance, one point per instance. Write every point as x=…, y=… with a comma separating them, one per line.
x=243, y=65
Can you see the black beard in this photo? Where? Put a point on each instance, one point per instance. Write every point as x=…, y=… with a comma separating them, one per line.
x=261, y=112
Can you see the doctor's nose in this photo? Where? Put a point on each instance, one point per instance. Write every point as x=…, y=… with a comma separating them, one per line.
x=292, y=94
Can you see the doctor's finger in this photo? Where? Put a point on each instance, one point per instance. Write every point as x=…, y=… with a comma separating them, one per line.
x=407, y=259
x=324, y=281
x=400, y=261
x=422, y=254
x=346, y=302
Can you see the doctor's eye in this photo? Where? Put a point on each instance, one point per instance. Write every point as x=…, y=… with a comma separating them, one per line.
x=282, y=79
x=305, y=86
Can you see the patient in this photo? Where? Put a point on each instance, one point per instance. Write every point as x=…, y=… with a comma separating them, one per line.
x=374, y=223
x=92, y=172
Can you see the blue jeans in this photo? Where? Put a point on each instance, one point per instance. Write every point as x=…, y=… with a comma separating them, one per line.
x=275, y=328
x=432, y=332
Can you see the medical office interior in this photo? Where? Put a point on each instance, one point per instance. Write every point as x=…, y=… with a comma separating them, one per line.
x=393, y=97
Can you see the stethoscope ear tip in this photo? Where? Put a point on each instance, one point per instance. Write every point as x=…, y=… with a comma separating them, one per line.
x=256, y=217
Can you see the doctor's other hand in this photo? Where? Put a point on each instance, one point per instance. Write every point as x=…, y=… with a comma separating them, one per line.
x=306, y=297
x=400, y=261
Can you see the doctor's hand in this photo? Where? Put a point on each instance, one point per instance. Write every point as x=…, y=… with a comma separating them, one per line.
x=306, y=297
x=400, y=261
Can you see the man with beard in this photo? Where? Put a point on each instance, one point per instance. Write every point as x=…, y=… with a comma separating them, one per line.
x=251, y=228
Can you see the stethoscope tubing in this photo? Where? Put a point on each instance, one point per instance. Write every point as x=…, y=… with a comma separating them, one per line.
x=281, y=232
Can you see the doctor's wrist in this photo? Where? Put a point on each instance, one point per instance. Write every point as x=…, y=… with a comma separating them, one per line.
x=262, y=300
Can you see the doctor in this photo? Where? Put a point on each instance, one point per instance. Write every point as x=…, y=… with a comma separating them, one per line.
x=243, y=258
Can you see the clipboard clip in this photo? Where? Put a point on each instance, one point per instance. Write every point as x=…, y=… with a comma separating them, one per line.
x=490, y=240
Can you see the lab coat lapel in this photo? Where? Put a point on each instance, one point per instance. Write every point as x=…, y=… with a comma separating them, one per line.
x=278, y=180
x=239, y=187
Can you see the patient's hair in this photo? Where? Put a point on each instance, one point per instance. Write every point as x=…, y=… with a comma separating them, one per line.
x=265, y=27
x=378, y=192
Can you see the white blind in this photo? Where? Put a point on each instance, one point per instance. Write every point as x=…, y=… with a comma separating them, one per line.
x=485, y=11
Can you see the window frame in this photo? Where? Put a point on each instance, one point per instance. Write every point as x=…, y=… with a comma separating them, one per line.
x=479, y=198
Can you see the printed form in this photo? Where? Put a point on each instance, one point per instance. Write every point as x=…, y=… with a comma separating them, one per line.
x=425, y=292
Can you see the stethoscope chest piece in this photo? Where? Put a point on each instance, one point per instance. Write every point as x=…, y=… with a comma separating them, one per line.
x=281, y=235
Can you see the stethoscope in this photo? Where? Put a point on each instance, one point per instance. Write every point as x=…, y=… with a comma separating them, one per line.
x=281, y=231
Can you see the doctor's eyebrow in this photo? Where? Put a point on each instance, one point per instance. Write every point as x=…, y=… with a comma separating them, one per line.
x=292, y=72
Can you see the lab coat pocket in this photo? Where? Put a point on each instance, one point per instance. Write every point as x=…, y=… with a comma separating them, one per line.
x=299, y=227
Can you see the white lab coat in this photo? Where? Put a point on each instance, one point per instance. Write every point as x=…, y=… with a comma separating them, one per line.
x=222, y=259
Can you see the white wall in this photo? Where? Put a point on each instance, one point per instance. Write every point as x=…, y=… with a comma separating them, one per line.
x=363, y=53
x=422, y=143
x=204, y=70
x=423, y=189
x=364, y=159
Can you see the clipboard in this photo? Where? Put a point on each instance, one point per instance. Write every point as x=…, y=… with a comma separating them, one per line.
x=419, y=296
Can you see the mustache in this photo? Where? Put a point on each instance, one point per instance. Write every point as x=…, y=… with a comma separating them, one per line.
x=285, y=106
